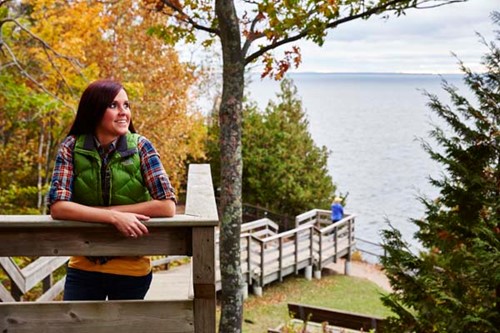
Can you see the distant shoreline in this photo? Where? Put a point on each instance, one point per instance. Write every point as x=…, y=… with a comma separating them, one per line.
x=367, y=73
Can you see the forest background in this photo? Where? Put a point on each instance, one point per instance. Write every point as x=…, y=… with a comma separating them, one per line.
x=52, y=49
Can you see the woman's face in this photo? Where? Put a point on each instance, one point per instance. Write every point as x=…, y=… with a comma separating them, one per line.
x=116, y=119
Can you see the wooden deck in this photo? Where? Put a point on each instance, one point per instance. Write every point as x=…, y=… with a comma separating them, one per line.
x=172, y=285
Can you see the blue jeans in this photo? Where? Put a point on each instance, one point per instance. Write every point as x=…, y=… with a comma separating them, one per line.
x=94, y=286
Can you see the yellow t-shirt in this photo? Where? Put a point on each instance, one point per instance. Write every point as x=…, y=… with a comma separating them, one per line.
x=131, y=266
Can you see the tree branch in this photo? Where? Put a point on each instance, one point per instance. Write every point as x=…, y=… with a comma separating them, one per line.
x=47, y=49
x=438, y=5
x=71, y=60
x=32, y=79
x=7, y=65
x=338, y=22
x=56, y=68
x=253, y=36
x=187, y=19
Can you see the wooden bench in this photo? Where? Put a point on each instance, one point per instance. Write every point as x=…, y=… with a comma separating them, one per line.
x=337, y=318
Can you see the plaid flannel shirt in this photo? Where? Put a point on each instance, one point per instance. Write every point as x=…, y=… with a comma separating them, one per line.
x=154, y=175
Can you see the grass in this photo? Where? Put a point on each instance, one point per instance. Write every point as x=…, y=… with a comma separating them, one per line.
x=336, y=291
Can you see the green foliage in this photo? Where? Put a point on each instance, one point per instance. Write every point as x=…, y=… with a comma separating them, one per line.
x=28, y=123
x=454, y=286
x=283, y=169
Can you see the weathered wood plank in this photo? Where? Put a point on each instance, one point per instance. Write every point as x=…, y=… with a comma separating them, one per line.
x=41, y=268
x=53, y=292
x=307, y=217
x=265, y=223
x=288, y=233
x=204, y=279
x=97, y=317
x=201, y=199
x=5, y=295
x=203, y=255
x=336, y=318
x=204, y=314
x=43, y=241
x=29, y=221
x=14, y=272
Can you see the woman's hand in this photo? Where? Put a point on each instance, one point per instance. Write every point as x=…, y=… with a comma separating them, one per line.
x=129, y=224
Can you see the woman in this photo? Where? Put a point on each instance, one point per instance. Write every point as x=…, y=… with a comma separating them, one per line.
x=105, y=172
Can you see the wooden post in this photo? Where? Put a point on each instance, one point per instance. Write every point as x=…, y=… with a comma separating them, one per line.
x=281, y=259
x=262, y=265
x=335, y=240
x=201, y=203
x=296, y=253
x=249, y=258
x=47, y=283
x=311, y=238
x=204, y=279
x=347, y=264
x=320, y=254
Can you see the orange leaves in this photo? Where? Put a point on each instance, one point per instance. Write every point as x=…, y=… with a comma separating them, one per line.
x=110, y=40
x=277, y=68
x=159, y=85
x=66, y=28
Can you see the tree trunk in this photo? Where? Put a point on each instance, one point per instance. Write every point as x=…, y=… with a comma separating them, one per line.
x=39, y=168
x=230, y=117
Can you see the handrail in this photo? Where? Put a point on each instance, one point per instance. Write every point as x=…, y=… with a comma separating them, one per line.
x=338, y=224
x=286, y=233
x=43, y=221
x=189, y=234
x=379, y=246
x=264, y=222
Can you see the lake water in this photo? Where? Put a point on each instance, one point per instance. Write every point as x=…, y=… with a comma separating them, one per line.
x=372, y=123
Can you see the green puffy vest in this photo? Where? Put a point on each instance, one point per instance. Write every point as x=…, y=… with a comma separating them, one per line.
x=126, y=185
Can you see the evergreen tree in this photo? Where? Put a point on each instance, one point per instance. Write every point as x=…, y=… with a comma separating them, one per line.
x=283, y=169
x=453, y=286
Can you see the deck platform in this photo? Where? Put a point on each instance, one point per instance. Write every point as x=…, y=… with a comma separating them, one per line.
x=173, y=285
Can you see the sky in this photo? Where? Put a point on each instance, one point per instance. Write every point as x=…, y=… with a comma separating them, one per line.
x=420, y=42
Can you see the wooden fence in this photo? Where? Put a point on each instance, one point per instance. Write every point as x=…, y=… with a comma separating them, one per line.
x=189, y=234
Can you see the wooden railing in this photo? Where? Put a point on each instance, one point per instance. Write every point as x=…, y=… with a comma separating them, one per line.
x=189, y=234
x=267, y=256
x=260, y=228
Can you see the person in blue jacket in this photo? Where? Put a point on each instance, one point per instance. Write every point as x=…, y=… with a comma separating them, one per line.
x=337, y=209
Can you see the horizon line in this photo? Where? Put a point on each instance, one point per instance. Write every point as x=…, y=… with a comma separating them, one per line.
x=369, y=73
